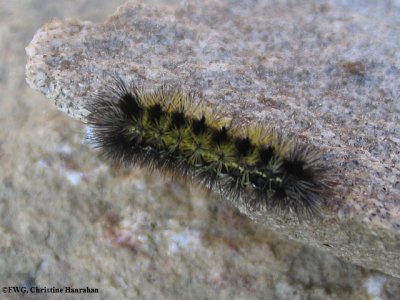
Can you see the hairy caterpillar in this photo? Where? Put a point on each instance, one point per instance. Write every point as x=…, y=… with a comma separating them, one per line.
x=168, y=131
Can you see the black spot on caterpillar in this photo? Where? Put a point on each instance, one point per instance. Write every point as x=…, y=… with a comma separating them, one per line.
x=167, y=130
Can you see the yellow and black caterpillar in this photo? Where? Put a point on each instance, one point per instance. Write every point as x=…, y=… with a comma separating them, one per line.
x=168, y=131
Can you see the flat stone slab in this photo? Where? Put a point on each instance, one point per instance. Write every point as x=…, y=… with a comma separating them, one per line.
x=328, y=73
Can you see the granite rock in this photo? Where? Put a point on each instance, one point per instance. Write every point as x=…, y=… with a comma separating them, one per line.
x=328, y=73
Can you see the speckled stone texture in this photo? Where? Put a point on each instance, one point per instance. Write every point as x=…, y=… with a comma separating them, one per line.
x=328, y=73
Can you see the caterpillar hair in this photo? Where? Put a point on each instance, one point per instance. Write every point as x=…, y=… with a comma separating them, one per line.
x=168, y=130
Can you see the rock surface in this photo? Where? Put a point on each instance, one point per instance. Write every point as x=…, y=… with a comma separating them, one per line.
x=326, y=72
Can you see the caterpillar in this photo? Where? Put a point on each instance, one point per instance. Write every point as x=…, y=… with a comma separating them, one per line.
x=168, y=130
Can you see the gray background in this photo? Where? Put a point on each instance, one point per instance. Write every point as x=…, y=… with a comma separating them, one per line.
x=68, y=219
